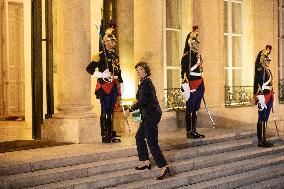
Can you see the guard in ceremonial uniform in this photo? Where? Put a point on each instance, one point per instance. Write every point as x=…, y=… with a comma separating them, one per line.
x=105, y=66
x=192, y=82
x=263, y=93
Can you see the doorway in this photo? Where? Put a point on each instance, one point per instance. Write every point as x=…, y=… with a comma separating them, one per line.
x=13, y=77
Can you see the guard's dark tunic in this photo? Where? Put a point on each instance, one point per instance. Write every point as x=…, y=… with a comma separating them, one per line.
x=99, y=61
x=195, y=80
x=263, y=84
x=107, y=92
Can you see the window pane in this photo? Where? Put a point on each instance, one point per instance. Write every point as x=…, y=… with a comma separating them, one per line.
x=172, y=12
x=281, y=53
x=225, y=16
x=282, y=23
x=173, y=78
x=173, y=48
x=237, y=51
x=226, y=51
x=227, y=83
x=237, y=77
x=281, y=74
x=237, y=18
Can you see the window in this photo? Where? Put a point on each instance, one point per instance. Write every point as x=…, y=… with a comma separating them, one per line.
x=172, y=54
x=173, y=49
x=233, y=28
x=237, y=91
x=281, y=48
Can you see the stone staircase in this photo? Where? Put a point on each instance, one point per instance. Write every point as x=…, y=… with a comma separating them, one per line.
x=224, y=161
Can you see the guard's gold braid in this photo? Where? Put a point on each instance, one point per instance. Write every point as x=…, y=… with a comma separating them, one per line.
x=96, y=57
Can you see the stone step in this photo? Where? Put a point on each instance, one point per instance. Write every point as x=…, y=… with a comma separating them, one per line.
x=179, y=154
x=6, y=170
x=274, y=183
x=130, y=175
x=242, y=179
x=208, y=174
x=89, y=169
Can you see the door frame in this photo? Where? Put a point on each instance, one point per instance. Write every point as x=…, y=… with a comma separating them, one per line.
x=36, y=67
x=37, y=74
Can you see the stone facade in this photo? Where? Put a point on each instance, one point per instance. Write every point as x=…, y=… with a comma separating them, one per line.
x=141, y=29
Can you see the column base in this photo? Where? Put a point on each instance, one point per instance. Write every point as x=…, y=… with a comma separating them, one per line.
x=168, y=122
x=84, y=130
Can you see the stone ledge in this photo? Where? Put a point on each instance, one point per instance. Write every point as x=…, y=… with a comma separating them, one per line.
x=71, y=130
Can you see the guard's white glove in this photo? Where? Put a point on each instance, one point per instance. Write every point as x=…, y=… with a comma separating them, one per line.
x=105, y=74
x=261, y=102
x=187, y=90
x=121, y=88
x=97, y=74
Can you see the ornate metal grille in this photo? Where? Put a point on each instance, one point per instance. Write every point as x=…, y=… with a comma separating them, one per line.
x=174, y=99
x=281, y=91
x=238, y=96
x=235, y=96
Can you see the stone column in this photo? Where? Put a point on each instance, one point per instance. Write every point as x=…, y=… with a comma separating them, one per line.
x=148, y=39
x=74, y=122
x=2, y=51
x=125, y=31
x=208, y=15
x=148, y=47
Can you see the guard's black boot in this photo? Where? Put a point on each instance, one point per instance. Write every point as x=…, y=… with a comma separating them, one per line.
x=103, y=124
x=194, y=119
x=187, y=123
x=267, y=144
x=110, y=129
x=115, y=134
x=260, y=142
x=188, y=126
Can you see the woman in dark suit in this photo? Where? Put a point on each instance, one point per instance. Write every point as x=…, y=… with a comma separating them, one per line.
x=151, y=113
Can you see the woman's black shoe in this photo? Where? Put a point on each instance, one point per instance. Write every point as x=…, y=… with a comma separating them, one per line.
x=191, y=135
x=142, y=167
x=166, y=172
x=199, y=135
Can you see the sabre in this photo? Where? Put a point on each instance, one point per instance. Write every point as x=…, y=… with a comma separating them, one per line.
x=275, y=122
x=208, y=112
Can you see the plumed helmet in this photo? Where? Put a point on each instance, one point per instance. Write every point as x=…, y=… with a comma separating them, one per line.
x=109, y=35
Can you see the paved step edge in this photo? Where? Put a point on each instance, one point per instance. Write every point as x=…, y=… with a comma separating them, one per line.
x=274, y=183
x=116, y=178
x=208, y=173
x=242, y=179
x=89, y=169
x=81, y=159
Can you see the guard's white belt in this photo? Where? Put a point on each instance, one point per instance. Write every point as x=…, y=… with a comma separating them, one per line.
x=194, y=67
x=266, y=87
x=195, y=74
